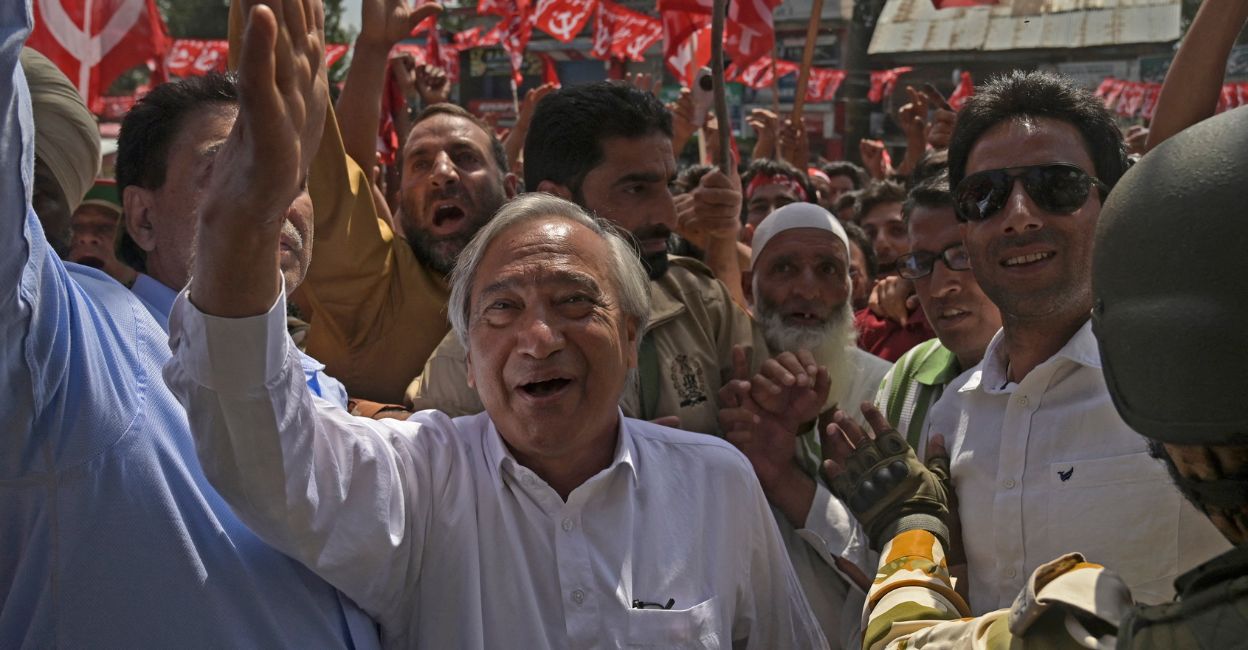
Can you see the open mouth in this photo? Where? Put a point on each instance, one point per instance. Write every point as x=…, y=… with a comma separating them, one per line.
x=1023, y=260
x=445, y=214
x=545, y=388
x=952, y=314
x=803, y=318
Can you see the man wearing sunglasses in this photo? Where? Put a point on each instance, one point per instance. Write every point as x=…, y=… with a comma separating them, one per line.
x=1041, y=462
x=962, y=316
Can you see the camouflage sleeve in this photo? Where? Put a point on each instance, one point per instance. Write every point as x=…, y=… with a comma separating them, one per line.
x=912, y=604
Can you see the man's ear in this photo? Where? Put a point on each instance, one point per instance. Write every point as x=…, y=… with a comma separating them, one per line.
x=137, y=203
x=511, y=185
x=747, y=285
x=468, y=361
x=551, y=187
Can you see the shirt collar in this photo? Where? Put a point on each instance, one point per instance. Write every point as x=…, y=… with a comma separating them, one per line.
x=155, y=295
x=664, y=301
x=501, y=458
x=938, y=367
x=991, y=372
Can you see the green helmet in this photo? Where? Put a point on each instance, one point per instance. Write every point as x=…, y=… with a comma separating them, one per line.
x=1171, y=311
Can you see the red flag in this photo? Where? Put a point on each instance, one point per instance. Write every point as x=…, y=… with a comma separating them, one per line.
x=964, y=91
x=691, y=56
x=758, y=74
x=334, y=53
x=949, y=4
x=882, y=82
x=621, y=33
x=1131, y=99
x=562, y=19
x=122, y=34
x=469, y=38
x=750, y=31
x=1149, y=107
x=502, y=7
x=515, y=41
x=823, y=84
x=550, y=71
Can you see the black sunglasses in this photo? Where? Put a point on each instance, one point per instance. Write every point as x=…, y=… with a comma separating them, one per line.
x=913, y=266
x=1059, y=188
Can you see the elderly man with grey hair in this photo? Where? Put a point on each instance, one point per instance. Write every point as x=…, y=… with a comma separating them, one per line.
x=549, y=520
x=799, y=285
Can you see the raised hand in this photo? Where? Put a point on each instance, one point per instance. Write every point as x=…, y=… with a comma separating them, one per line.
x=912, y=117
x=874, y=158
x=432, y=84
x=262, y=166
x=893, y=298
x=793, y=146
x=386, y=22
x=684, y=119
x=792, y=388
x=879, y=477
x=764, y=123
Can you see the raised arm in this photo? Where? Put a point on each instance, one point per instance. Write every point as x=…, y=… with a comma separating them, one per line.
x=1194, y=81
x=294, y=469
x=383, y=23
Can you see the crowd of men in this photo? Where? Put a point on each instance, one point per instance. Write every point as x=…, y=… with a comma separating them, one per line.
x=548, y=389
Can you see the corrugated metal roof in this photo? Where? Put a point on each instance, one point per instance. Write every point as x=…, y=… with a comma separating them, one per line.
x=916, y=26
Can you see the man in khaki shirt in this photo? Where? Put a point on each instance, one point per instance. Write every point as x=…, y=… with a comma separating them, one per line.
x=376, y=300
x=608, y=148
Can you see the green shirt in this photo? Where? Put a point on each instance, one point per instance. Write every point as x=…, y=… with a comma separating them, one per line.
x=914, y=384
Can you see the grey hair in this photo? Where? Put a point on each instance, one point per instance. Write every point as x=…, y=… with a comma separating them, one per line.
x=629, y=276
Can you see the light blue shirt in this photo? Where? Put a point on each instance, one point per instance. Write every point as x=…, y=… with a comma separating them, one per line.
x=159, y=301
x=110, y=536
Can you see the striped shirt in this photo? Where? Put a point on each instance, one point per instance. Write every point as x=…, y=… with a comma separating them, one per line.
x=913, y=386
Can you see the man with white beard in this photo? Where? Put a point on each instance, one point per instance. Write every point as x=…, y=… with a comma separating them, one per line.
x=799, y=285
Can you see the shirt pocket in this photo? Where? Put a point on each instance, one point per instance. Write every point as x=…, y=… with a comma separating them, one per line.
x=694, y=628
x=1121, y=512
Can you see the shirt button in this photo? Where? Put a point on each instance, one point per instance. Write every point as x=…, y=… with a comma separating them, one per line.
x=578, y=596
x=1023, y=401
x=1008, y=483
x=1010, y=572
x=568, y=524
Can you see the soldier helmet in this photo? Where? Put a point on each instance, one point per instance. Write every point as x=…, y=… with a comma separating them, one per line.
x=1171, y=298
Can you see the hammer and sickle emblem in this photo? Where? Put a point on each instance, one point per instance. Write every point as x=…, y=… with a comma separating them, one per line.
x=88, y=49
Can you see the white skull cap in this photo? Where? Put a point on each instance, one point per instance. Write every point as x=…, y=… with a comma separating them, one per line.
x=795, y=215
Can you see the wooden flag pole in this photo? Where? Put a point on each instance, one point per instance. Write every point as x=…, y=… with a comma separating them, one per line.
x=717, y=74
x=808, y=56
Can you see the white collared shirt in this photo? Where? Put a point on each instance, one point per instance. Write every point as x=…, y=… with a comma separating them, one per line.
x=433, y=528
x=1046, y=466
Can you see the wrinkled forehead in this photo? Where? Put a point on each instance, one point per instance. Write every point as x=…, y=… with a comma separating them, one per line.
x=442, y=129
x=933, y=229
x=543, y=253
x=1026, y=140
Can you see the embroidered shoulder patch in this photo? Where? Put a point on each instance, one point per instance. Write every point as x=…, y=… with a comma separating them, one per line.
x=686, y=375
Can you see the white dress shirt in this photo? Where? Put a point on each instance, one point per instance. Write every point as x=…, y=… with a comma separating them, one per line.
x=432, y=527
x=1046, y=466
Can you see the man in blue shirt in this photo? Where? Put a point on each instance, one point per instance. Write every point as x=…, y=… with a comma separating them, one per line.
x=111, y=536
x=165, y=152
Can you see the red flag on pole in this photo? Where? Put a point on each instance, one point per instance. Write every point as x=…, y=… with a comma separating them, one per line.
x=964, y=91
x=562, y=19
x=550, y=71
x=94, y=42
x=624, y=34
x=823, y=84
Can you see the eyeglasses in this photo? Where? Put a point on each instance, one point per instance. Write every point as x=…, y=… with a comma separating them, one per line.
x=913, y=266
x=1059, y=188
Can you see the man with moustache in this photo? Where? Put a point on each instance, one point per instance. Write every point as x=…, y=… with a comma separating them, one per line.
x=607, y=147
x=376, y=299
x=94, y=227
x=168, y=144
x=1041, y=461
x=962, y=316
